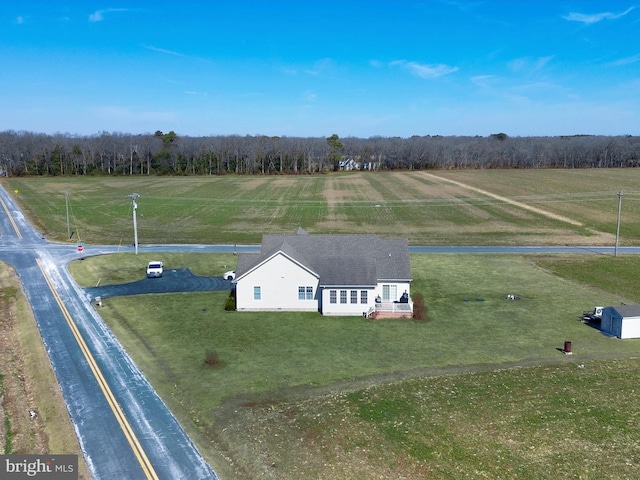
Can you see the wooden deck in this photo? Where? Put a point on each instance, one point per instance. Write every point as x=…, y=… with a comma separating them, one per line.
x=391, y=310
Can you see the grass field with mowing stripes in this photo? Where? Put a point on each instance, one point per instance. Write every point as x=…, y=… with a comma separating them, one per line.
x=482, y=207
x=304, y=396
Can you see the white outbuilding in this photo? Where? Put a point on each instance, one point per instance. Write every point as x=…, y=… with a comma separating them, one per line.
x=622, y=321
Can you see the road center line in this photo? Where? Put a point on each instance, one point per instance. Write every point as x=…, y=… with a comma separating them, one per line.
x=113, y=404
x=13, y=222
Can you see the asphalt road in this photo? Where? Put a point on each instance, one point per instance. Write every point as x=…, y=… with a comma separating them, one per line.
x=125, y=430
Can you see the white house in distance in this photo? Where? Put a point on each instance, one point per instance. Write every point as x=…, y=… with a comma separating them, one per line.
x=622, y=321
x=331, y=274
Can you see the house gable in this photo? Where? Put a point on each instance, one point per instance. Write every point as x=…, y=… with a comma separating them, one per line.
x=353, y=265
x=275, y=284
x=251, y=262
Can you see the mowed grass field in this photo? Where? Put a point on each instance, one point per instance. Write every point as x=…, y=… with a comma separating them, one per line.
x=479, y=207
x=478, y=390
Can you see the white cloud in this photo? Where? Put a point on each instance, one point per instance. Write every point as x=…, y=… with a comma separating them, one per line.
x=484, y=81
x=162, y=50
x=426, y=70
x=310, y=96
x=174, y=53
x=595, y=17
x=625, y=61
x=98, y=15
x=529, y=65
x=322, y=67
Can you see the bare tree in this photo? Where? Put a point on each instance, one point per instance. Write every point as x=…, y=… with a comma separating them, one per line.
x=27, y=153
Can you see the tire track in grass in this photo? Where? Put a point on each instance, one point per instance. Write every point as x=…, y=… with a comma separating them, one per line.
x=515, y=203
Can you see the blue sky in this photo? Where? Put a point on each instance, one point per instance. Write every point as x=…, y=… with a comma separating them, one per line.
x=314, y=68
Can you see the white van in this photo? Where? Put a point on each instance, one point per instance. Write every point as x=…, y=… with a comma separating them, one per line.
x=154, y=269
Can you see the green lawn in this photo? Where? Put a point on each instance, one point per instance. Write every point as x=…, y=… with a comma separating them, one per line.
x=469, y=322
x=299, y=395
x=544, y=422
x=269, y=358
x=120, y=268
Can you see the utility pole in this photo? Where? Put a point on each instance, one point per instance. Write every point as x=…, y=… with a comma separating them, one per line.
x=620, y=193
x=66, y=198
x=134, y=205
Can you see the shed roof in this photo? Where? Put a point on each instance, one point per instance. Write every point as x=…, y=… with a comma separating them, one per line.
x=627, y=310
x=350, y=260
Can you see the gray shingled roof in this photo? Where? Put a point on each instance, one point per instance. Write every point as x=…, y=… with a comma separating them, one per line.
x=337, y=259
x=628, y=310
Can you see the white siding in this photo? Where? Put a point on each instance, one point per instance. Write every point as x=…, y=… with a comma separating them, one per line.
x=630, y=327
x=398, y=287
x=351, y=309
x=622, y=327
x=278, y=279
x=348, y=308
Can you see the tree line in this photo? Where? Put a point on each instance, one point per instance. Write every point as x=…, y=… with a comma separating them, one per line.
x=28, y=153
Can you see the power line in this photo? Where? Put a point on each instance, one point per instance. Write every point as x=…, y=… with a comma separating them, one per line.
x=70, y=215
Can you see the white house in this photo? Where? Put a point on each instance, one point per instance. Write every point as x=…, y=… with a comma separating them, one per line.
x=348, y=164
x=622, y=321
x=332, y=274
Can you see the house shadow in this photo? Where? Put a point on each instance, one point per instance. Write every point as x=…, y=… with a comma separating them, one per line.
x=594, y=323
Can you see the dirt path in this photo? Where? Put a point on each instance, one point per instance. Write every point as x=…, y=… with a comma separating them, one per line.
x=515, y=203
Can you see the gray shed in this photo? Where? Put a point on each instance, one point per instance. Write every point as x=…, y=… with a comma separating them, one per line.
x=622, y=321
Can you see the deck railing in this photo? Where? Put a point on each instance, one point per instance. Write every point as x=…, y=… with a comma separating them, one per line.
x=391, y=309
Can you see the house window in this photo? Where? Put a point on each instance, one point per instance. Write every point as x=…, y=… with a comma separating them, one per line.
x=305, y=293
x=389, y=293
x=343, y=296
x=364, y=297
x=354, y=296
x=257, y=294
x=333, y=296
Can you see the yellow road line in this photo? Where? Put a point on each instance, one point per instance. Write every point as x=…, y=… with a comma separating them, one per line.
x=117, y=411
x=13, y=222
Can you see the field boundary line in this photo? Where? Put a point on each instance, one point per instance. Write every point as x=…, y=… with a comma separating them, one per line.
x=515, y=203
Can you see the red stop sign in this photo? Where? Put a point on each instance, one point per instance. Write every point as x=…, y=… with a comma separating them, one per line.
x=80, y=248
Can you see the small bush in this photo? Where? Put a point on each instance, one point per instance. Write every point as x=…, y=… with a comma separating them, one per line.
x=212, y=358
x=419, y=308
x=230, y=305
